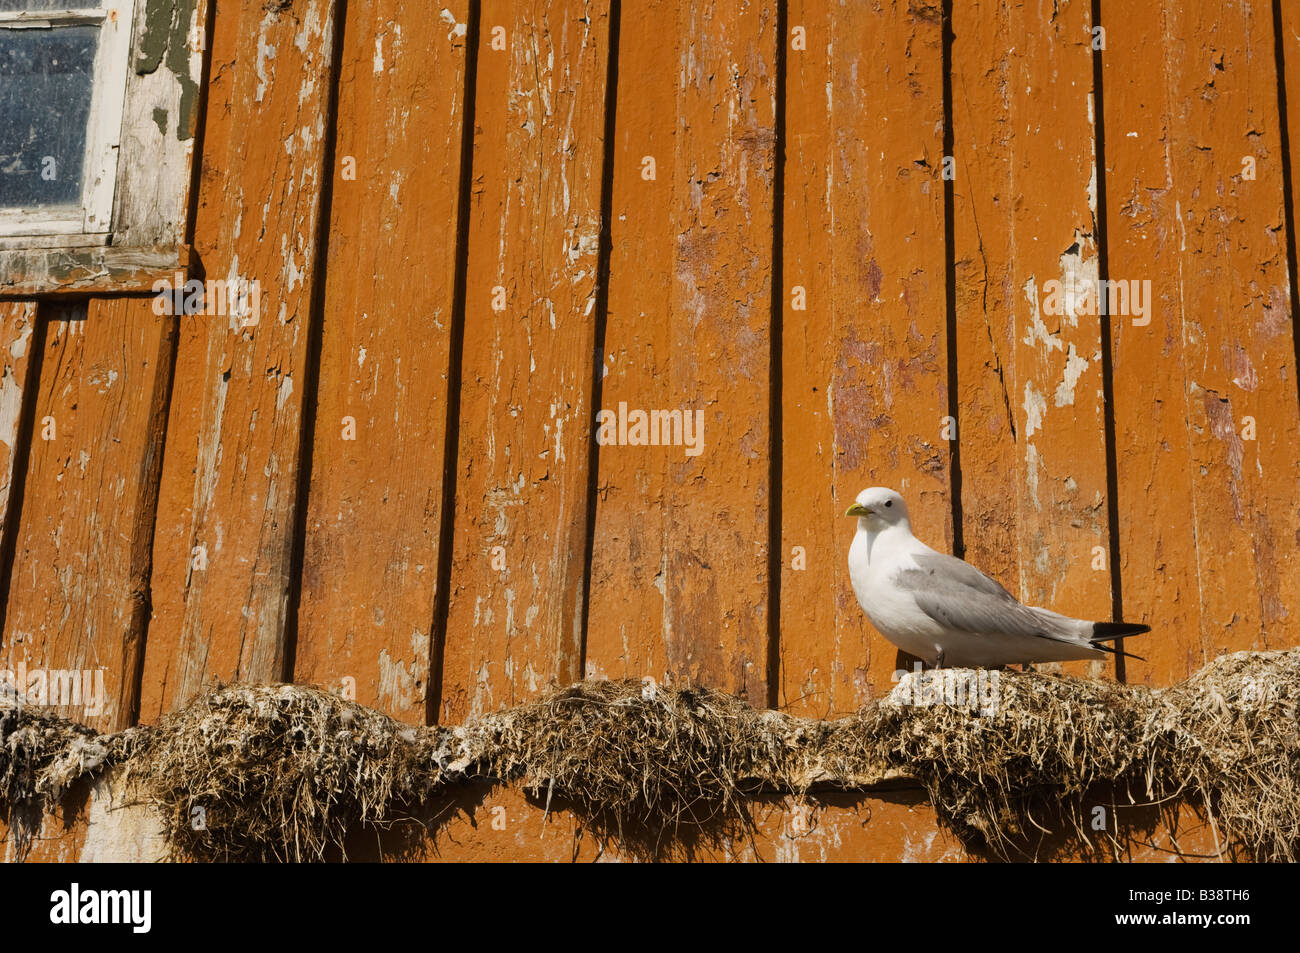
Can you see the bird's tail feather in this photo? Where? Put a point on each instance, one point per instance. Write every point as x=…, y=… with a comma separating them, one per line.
x=1107, y=631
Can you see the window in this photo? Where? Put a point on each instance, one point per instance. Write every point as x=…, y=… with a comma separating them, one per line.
x=62, y=89
x=98, y=108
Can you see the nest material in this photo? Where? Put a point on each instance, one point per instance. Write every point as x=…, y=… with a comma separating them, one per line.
x=286, y=772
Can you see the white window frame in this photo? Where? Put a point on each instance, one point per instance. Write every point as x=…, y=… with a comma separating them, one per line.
x=91, y=223
x=148, y=97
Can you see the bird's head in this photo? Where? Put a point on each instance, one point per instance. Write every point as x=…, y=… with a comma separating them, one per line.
x=880, y=507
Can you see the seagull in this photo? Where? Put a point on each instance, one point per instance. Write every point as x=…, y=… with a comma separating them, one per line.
x=945, y=611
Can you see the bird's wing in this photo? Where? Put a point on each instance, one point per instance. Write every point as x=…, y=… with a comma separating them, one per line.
x=957, y=595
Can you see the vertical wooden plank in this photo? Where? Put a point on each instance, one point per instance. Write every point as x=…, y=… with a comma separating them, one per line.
x=229, y=486
x=1207, y=433
x=865, y=366
x=1029, y=338
x=626, y=634
x=17, y=322
x=371, y=558
x=1286, y=19
x=522, y=468
x=680, y=574
x=984, y=249
x=79, y=588
x=1062, y=493
x=1158, y=534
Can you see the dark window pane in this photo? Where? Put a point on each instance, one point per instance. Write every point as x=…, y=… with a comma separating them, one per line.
x=45, y=87
x=47, y=5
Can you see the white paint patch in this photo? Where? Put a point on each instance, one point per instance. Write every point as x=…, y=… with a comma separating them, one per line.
x=1079, y=276
x=457, y=29
x=265, y=52
x=285, y=392
x=379, y=54
x=242, y=300
x=1074, y=368
x=18, y=349
x=1037, y=329
x=1035, y=407
x=293, y=275
x=396, y=685
x=311, y=28
x=11, y=402
x=121, y=825
x=1031, y=481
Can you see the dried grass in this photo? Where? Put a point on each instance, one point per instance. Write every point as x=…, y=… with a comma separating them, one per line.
x=287, y=773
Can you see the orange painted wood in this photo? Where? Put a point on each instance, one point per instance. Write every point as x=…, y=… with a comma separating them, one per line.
x=1287, y=38
x=1210, y=517
x=1022, y=225
x=864, y=368
x=502, y=825
x=79, y=587
x=522, y=464
x=1158, y=534
x=229, y=487
x=505, y=826
x=371, y=560
x=680, y=561
x=984, y=255
x=60, y=839
x=17, y=323
x=627, y=631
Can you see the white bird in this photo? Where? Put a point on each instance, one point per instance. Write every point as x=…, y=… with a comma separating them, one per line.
x=945, y=611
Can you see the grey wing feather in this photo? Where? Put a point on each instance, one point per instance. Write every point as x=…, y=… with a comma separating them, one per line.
x=956, y=594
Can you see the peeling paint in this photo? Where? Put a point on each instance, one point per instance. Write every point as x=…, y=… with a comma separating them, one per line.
x=1035, y=406
x=11, y=401
x=167, y=28
x=1074, y=368
x=265, y=53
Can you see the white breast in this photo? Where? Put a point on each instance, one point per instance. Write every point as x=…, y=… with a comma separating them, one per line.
x=872, y=566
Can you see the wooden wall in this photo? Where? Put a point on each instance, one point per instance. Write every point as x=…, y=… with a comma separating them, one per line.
x=476, y=226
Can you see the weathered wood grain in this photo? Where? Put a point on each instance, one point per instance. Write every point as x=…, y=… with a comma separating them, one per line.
x=369, y=571
x=1025, y=193
x=17, y=324
x=1210, y=516
x=515, y=615
x=90, y=271
x=1286, y=20
x=680, y=562
x=1158, y=534
x=164, y=93
x=78, y=594
x=864, y=367
x=984, y=249
x=223, y=551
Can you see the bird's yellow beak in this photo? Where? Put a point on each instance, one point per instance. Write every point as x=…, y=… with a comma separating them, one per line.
x=857, y=509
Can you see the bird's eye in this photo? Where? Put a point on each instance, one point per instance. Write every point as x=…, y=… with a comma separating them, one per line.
x=889, y=502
